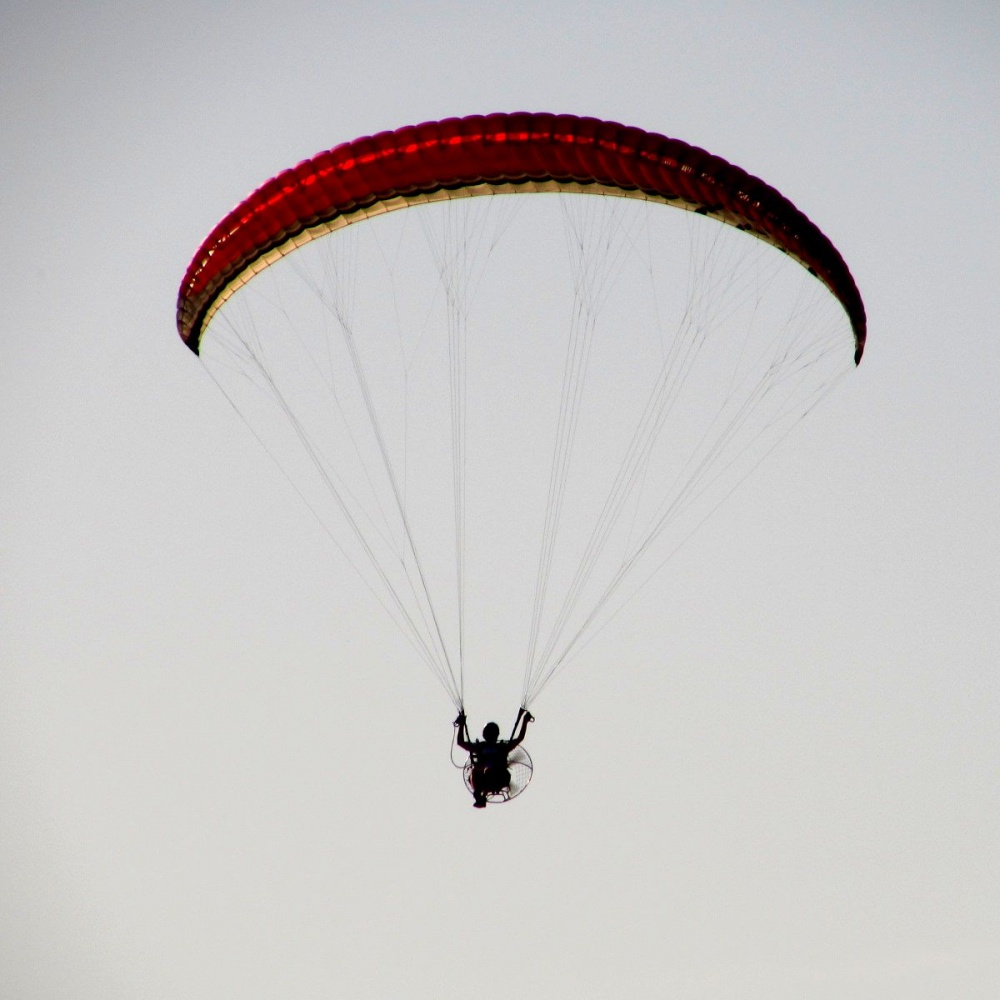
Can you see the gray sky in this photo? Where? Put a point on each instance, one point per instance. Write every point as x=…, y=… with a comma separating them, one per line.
x=222, y=775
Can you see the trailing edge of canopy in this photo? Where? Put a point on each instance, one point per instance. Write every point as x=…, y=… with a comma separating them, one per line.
x=494, y=154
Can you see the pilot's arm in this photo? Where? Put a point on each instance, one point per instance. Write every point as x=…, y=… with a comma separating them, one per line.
x=524, y=717
x=462, y=736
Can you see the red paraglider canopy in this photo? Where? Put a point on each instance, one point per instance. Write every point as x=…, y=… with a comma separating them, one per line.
x=499, y=153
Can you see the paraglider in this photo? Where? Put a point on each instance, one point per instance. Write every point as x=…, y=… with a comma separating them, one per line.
x=491, y=760
x=508, y=412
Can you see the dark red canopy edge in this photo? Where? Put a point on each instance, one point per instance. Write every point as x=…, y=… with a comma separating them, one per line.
x=500, y=149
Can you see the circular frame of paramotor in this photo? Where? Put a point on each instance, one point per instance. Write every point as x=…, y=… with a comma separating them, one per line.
x=519, y=765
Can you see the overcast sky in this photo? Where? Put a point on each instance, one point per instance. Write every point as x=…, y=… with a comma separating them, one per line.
x=221, y=775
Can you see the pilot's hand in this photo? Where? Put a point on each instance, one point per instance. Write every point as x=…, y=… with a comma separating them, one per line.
x=460, y=720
